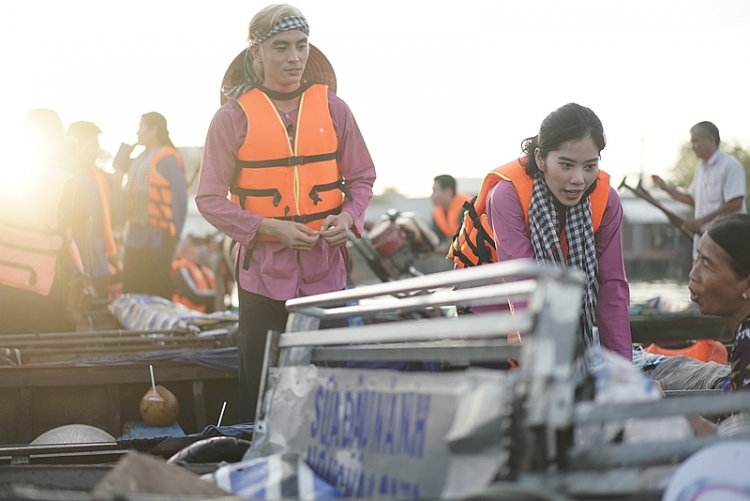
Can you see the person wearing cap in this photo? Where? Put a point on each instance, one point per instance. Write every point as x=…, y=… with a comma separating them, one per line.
x=101, y=249
x=300, y=175
x=155, y=206
x=38, y=217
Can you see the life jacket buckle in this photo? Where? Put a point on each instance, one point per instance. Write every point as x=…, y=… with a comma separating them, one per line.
x=315, y=196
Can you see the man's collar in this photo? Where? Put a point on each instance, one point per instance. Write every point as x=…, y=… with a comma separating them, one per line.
x=285, y=96
x=714, y=158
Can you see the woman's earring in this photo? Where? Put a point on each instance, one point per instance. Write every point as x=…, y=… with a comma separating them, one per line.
x=744, y=296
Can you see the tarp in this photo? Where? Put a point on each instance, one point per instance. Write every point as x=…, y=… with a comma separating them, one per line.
x=144, y=312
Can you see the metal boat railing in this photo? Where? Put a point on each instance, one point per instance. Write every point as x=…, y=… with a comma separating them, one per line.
x=550, y=295
x=547, y=390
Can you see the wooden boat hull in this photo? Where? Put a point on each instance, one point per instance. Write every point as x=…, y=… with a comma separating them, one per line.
x=38, y=398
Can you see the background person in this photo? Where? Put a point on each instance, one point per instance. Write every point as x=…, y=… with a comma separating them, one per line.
x=155, y=203
x=194, y=282
x=448, y=208
x=101, y=252
x=718, y=185
x=292, y=241
x=38, y=216
x=555, y=204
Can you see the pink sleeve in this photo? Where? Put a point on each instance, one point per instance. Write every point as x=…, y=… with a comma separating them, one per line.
x=225, y=135
x=613, y=305
x=506, y=219
x=355, y=161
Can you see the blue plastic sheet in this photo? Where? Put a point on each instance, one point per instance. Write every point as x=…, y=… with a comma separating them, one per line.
x=240, y=430
x=216, y=358
x=278, y=476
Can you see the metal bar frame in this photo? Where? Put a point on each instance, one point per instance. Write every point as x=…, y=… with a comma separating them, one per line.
x=553, y=300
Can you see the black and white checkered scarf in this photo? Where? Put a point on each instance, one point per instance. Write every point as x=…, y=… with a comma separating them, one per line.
x=250, y=78
x=545, y=239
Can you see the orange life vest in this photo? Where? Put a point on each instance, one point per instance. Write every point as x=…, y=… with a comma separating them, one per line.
x=474, y=244
x=448, y=223
x=110, y=247
x=203, y=278
x=160, y=210
x=705, y=350
x=31, y=239
x=274, y=179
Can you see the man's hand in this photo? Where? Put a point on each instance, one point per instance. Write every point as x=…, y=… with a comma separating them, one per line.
x=335, y=229
x=658, y=181
x=296, y=236
x=693, y=226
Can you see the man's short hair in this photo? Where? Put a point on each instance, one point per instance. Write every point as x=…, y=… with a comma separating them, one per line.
x=709, y=129
x=446, y=181
x=82, y=130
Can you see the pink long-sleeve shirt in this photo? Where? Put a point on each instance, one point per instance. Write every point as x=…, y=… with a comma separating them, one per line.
x=276, y=271
x=506, y=217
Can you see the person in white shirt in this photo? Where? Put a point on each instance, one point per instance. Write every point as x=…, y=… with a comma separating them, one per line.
x=718, y=185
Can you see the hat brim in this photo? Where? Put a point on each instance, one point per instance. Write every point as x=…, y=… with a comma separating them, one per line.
x=318, y=69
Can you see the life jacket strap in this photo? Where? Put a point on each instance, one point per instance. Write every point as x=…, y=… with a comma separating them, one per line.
x=243, y=194
x=336, y=185
x=48, y=252
x=32, y=271
x=286, y=161
x=308, y=218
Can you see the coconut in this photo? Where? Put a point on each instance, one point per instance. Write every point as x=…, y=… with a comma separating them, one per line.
x=160, y=408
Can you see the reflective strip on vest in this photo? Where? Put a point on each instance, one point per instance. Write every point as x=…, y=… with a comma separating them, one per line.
x=274, y=179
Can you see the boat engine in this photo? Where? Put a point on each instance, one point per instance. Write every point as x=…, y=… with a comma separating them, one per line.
x=395, y=242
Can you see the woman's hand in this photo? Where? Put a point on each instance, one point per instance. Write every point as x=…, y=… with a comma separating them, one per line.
x=122, y=159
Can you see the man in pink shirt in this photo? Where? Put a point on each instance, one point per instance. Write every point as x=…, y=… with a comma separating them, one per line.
x=275, y=144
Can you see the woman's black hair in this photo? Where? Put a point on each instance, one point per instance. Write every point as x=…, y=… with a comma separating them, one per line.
x=571, y=122
x=732, y=233
x=157, y=120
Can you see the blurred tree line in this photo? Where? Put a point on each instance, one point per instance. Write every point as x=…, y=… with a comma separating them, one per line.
x=682, y=172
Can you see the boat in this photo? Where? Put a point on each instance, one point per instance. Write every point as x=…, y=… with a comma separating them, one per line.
x=98, y=377
x=676, y=329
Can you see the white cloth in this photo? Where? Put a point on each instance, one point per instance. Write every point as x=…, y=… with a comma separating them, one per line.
x=715, y=183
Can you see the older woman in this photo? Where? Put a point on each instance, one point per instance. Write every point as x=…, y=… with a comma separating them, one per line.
x=720, y=285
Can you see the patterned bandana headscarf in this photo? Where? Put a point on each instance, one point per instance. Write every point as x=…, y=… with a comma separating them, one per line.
x=257, y=37
x=579, y=231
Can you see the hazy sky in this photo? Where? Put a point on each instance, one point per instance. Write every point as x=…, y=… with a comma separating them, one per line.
x=436, y=86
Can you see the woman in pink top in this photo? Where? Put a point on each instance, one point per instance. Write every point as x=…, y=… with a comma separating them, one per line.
x=562, y=162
